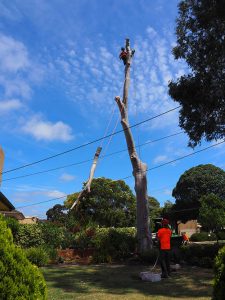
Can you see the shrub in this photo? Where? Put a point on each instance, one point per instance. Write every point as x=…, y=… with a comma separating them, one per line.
x=113, y=243
x=83, y=240
x=219, y=279
x=37, y=256
x=221, y=235
x=202, y=255
x=52, y=254
x=52, y=234
x=29, y=235
x=203, y=236
x=13, y=224
x=19, y=278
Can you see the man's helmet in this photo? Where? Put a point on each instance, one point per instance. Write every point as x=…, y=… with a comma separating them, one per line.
x=165, y=222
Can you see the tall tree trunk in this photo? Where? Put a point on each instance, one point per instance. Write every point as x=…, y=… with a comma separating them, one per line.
x=139, y=168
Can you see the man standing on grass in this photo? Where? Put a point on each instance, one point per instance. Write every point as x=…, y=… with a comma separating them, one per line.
x=164, y=235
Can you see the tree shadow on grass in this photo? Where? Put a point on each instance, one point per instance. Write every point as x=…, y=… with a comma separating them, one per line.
x=124, y=280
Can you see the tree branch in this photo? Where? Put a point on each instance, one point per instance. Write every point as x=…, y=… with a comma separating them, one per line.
x=88, y=184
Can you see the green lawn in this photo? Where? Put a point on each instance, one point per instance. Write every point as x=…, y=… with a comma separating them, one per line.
x=121, y=282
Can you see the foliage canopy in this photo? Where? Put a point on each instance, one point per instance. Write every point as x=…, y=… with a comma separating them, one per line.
x=201, y=93
x=110, y=203
x=212, y=213
x=192, y=185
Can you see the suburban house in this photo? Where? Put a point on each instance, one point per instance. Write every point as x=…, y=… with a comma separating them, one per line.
x=29, y=220
x=8, y=210
x=189, y=227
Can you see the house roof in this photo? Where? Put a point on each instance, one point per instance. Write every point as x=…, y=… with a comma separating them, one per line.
x=13, y=213
x=6, y=202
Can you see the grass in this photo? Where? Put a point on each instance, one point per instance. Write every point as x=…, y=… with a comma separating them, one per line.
x=109, y=282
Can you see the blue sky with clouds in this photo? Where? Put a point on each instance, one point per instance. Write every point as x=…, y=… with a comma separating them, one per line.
x=59, y=75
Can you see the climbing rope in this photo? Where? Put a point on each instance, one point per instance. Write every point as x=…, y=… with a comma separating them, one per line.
x=107, y=127
x=113, y=131
x=136, y=105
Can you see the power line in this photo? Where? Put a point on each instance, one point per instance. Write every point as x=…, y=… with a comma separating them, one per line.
x=89, y=143
x=159, y=166
x=179, y=158
x=88, y=160
x=50, y=200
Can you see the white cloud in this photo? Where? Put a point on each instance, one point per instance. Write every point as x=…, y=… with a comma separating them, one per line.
x=9, y=105
x=13, y=55
x=151, y=31
x=67, y=177
x=19, y=72
x=160, y=159
x=167, y=192
x=45, y=130
x=24, y=193
x=97, y=76
x=54, y=194
x=16, y=87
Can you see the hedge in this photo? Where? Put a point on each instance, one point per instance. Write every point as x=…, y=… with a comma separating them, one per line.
x=108, y=243
x=114, y=244
x=29, y=235
x=203, y=236
x=201, y=255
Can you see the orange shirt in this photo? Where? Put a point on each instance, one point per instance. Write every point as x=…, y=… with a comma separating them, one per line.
x=164, y=235
x=185, y=237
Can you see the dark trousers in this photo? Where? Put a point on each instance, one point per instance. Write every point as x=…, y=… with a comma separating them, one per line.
x=164, y=257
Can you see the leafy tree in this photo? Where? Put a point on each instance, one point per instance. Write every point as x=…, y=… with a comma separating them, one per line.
x=153, y=203
x=57, y=214
x=110, y=203
x=155, y=211
x=201, y=93
x=212, y=213
x=192, y=185
x=167, y=209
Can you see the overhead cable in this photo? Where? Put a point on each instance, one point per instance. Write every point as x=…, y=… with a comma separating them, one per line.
x=159, y=166
x=179, y=158
x=88, y=160
x=87, y=144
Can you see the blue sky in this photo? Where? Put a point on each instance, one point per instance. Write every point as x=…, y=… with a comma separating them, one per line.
x=59, y=75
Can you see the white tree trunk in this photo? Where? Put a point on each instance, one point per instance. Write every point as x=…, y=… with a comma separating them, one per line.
x=139, y=168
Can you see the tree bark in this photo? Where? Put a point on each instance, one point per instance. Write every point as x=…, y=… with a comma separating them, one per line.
x=92, y=171
x=139, y=168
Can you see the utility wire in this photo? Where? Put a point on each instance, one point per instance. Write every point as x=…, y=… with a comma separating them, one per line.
x=88, y=160
x=50, y=200
x=89, y=143
x=159, y=166
x=179, y=158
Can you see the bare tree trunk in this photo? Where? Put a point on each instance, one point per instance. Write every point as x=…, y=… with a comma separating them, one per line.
x=139, y=168
x=92, y=171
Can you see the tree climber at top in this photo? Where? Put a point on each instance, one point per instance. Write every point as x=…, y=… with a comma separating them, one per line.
x=123, y=55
